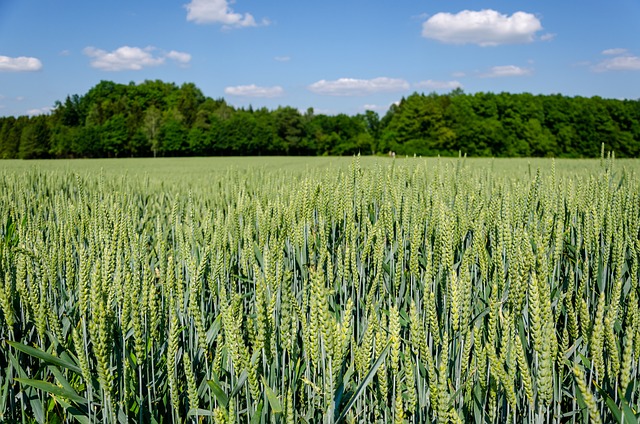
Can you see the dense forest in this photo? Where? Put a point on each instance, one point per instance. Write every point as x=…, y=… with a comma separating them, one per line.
x=156, y=118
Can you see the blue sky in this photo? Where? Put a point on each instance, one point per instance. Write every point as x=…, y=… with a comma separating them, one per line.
x=335, y=56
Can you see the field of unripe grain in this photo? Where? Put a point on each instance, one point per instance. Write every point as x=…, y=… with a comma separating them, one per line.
x=286, y=290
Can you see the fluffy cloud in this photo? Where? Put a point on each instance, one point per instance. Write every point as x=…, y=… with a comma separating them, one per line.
x=127, y=58
x=485, y=27
x=358, y=87
x=507, y=71
x=19, y=64
x=438, y=85
x=254, y=91
x=123, y=58
x=218, y=12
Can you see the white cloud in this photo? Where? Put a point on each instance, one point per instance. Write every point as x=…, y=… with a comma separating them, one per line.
x=485, y=27
x=123, y=58
x=619, y=63
x=219, y=12
x=507, y=71
x=358, y=87
x=282, y=58
x=19, y=64
x=438, y=85
x=127, y=58
x=254, y=91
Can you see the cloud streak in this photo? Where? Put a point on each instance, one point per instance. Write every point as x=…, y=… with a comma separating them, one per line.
x=614, y=52
x=507, y=71
x=484, y=28
x=41, y=111
x=253, y=90
x=19, y=64
x=358, y=87
x=438, y=85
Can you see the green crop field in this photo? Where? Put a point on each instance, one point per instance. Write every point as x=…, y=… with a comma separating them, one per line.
x=286, y=290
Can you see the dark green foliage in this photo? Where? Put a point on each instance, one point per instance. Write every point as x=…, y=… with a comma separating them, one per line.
x=155, y=118
x=34, y=140
x=10, y=131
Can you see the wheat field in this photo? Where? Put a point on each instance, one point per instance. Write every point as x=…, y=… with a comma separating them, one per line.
x=320, y=291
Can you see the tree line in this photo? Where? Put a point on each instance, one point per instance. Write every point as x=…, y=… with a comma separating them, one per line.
x=156, y=118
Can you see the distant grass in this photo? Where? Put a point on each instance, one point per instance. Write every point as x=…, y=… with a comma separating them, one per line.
x=197, y=170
